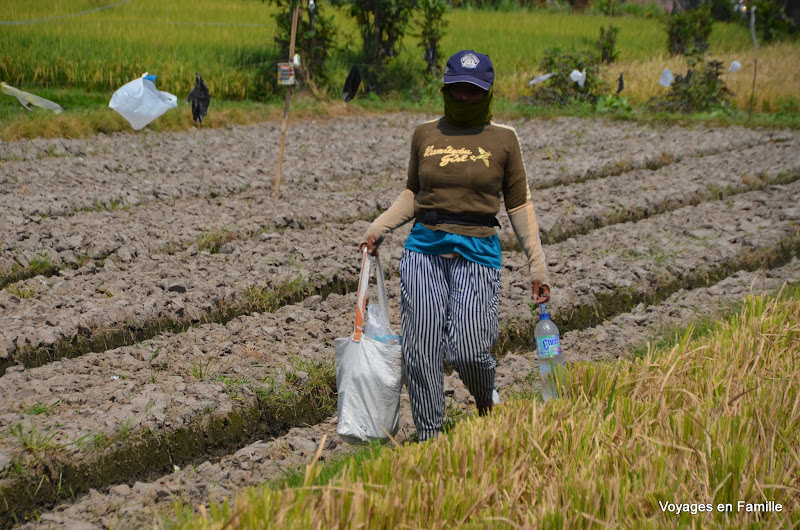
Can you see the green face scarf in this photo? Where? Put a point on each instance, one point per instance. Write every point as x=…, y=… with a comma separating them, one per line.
x=467, y=113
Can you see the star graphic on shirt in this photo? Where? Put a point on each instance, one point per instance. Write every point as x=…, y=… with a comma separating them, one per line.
x=482, y=155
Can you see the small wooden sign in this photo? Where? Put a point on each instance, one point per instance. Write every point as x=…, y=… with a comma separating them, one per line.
x=286, y=73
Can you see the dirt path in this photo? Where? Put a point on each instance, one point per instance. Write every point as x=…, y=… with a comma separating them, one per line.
x=156, y=299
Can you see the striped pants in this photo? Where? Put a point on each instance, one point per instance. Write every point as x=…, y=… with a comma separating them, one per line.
x=449, y=311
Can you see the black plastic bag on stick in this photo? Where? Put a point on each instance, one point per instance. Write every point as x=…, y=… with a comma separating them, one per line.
x=351, y=84
x=199, y=98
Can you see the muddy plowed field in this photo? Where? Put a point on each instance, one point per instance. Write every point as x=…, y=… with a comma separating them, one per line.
x=167, y=328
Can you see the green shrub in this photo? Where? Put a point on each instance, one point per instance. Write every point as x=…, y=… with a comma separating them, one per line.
x=700, y=90
x=605, y=7
x=560, y=90
x=382, y=26
x=688, y=31
x=607, y=43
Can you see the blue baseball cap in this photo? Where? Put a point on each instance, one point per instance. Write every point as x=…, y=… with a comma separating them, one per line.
x=469, y=66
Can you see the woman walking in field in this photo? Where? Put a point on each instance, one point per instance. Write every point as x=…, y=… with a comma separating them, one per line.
x=460, y=166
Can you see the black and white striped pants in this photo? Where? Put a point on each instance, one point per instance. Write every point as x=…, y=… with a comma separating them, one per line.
x=449, y=310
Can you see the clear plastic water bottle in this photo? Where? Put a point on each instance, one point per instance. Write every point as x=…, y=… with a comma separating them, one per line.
x=548, y=347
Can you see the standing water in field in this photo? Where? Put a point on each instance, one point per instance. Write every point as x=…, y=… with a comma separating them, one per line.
x=551, y=361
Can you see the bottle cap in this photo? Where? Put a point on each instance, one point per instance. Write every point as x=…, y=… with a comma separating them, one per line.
x=544, y=315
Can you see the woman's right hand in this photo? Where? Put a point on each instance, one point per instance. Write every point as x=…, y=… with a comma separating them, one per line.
x=541, y=292
x=371, y=244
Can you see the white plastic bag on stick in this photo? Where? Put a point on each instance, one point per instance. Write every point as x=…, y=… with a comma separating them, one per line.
x=369, y=374
x=140, y=102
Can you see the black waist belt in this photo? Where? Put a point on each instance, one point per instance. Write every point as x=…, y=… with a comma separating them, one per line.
x=433, y=217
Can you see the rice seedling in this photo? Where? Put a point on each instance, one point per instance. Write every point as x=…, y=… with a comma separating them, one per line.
x=35, y=442
x=213, y=240
x=202, y=370
x=269, y=299
x=41, y=408
x=21, y=290
x=40, y=264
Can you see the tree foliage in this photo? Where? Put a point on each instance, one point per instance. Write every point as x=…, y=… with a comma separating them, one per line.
x=432, y=29
x=382, y=24
x=688, y=31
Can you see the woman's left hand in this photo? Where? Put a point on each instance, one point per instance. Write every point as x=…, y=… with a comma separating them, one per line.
x=541, y=292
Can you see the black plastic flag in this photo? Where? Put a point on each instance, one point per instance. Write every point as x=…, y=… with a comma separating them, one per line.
x=351, y=84
x=199, y=98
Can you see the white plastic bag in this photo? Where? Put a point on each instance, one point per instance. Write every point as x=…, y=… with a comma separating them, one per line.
x=369, y=373
x=578, y=77
x=140, y=102
x=666, y=78
x=26, y=99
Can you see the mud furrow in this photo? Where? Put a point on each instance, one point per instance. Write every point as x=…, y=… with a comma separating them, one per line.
x=93, y=309
x=137, y=505
x=139, y=168
x=632, y=260
x=568, y=211
x=45, y=245
x=204, y=224
x=598, y=155
x=113, y=416
x=689, y=247
x=105, y=311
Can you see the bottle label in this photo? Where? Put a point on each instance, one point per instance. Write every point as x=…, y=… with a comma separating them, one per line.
x=548, y=346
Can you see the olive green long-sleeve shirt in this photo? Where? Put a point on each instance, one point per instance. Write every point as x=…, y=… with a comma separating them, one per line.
x=466, y=171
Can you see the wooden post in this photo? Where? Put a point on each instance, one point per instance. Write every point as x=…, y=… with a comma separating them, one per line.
x=276, y=184
x=755, y=62
x=753, y=89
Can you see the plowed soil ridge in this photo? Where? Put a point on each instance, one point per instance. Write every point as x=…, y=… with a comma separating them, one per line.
x=58, y=177
x=98, y=324
x=173, y=226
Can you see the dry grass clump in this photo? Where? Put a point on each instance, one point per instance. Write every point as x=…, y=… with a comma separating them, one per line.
x=776, y=78
x=703, y=425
